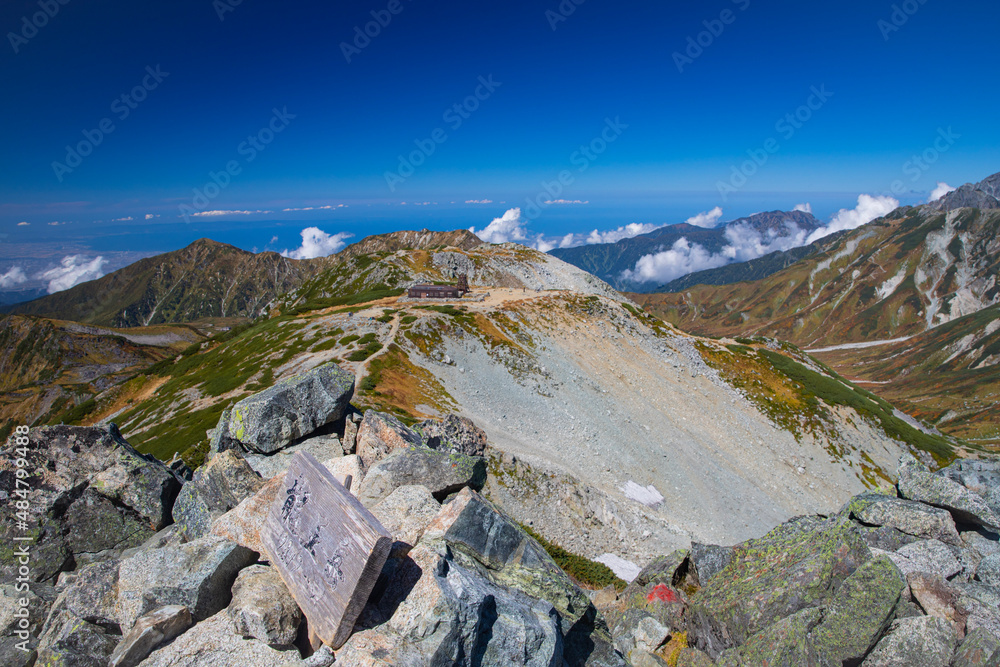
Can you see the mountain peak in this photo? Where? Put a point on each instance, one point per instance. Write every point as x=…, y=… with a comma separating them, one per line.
x=983, y=195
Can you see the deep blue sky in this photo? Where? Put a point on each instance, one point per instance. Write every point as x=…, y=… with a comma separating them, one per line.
x=607, y=60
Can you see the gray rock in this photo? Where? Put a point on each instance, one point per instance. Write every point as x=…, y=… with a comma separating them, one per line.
x=323, y=447
x=442, y=473
x=212, y=643
x=406, y=513
x=446, y=613
x=71, y=642
x=350, y=441
x=93, y=496
x=455, y=434
x=381, y=434
x=976, y=649
x=980, y=477
x=988, y=571
x=170, y=536
x=14, y=615
x=220, y=440
x=217, y=487
x=937, y=597
x=263, y=608
x=930, y=556
x=709, y=560
x=198, y=575
x=798, y=565
x=907, y=516
x=15, y=652
x=784, y=643
x=295, y=407
x=91, y=593
x=858, y=612
x=917, y=483
x=914, y=642
x=149, y=633
x=885, y=538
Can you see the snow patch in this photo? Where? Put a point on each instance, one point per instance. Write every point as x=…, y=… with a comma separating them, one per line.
x=886, y=289
x=623, y=569
x=647, y=495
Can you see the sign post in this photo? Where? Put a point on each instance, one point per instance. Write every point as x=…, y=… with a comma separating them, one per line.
x=327, y=547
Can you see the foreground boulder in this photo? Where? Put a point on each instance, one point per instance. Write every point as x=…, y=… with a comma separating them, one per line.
x=278, y=416
x=217, y=487
x=92, y=496
x=441, y=473
x=917, y=483
x=455, y=434
x=150, y=632
x=798, y=565
x=924, y=641
x=477, y=590
x=198, y=575
x=380, y=434
x=263, y=608
x=214, y=643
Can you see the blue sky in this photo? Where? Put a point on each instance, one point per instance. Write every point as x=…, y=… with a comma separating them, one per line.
x=556, y=79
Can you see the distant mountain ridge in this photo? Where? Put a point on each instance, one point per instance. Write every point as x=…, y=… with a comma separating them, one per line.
x=917, y=290
x=210, y=279
x=609, y=261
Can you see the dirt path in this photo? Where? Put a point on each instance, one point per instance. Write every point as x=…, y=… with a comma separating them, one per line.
x=859, y=346
x=362, y=370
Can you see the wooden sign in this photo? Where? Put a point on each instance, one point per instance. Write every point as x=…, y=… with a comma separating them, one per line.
x=327, y=547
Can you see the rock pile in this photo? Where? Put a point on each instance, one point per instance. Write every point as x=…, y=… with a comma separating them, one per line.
x=135, y=563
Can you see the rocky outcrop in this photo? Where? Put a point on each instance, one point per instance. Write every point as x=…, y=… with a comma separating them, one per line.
x=92, y=496
x=455, y=434
x=217, y=487
x=917, y=483
x=278, y=416
x=263, y=608
x=381, y=434
x=198, y=575
x=150, y=632
x=441, y=472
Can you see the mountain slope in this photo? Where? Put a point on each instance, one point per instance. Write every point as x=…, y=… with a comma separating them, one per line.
x=564, y=376
x=205, y=279
x=908, y=301
x=609, y=260
x=210, y=280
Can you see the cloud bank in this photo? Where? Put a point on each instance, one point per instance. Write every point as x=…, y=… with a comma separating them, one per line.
x=513, y=227
x=317, y=243
x=73, y=270
x=13, y=278
x=743, y=243
x=869, y=208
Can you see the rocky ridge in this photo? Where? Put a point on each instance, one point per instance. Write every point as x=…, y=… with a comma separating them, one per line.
x=120, y=574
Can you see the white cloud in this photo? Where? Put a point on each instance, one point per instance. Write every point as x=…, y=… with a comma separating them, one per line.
x=73, y=270
x=13, y=278
x=128, y=219
x=682, y=258
x=706, y=219
x=746, y=243
x=940, y=191
x=478, y=201
x=23, y=224
x=805, y=208
x=150, y=216
x=509, y=227
x=317, y=243
x=315, y=208
x=869, y=208
x=566, y=201
x=626, y=232
x=274, y=239
x=214, y=214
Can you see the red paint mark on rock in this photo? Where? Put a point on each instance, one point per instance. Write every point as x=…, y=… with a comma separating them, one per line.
x=663, y=593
